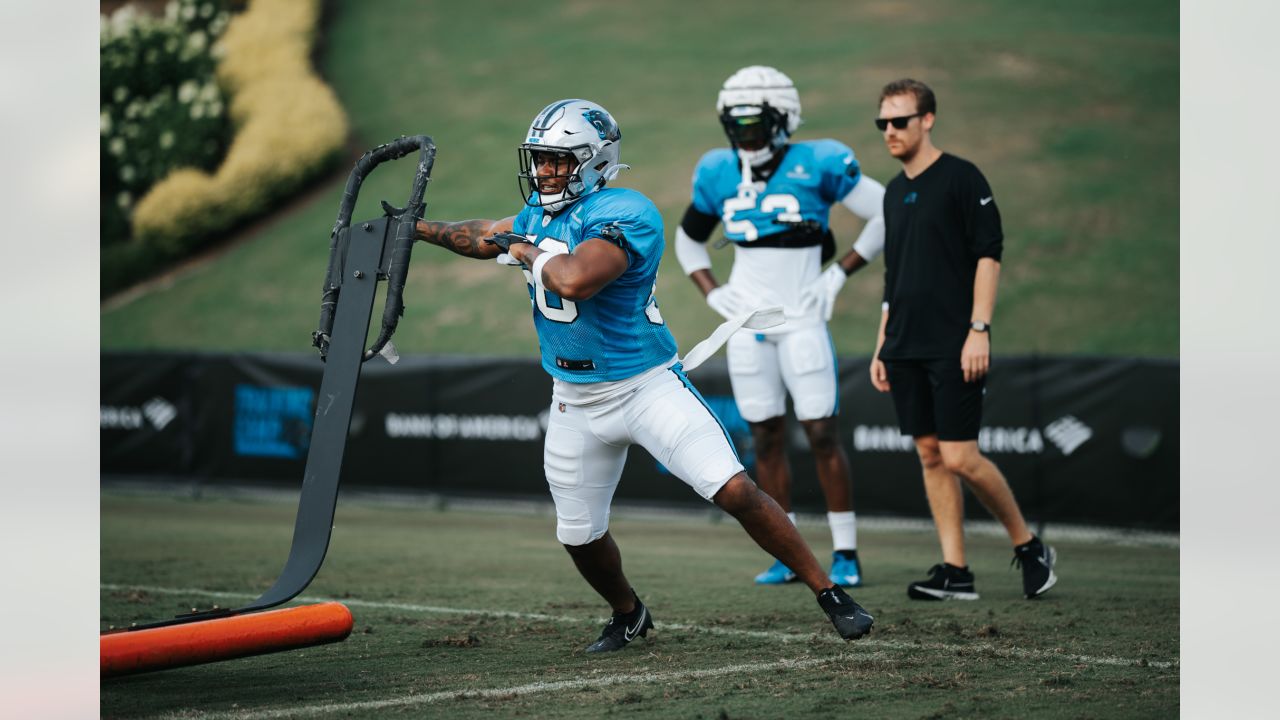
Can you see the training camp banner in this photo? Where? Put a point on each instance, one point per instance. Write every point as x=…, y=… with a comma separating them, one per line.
x=1082, y=440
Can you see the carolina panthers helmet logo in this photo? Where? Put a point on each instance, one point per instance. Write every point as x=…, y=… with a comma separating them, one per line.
x=604, y=124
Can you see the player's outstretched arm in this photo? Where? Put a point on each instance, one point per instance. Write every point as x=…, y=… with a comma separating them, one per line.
x=465, y=237
x=578, y=275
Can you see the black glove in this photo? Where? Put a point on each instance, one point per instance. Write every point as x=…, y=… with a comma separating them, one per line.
x=505, y=240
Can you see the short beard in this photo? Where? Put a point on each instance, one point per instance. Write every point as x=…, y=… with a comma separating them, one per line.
x=909, y=154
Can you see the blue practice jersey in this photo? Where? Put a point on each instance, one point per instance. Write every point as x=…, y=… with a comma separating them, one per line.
x=618, y=332
x=813, y=175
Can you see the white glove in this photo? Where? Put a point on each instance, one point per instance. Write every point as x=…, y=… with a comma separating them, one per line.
x=821, y=296
x=505, y=259
x=725, y=301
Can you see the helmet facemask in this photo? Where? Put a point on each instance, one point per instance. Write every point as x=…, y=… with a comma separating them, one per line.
x=531, y=182
x=757, y=132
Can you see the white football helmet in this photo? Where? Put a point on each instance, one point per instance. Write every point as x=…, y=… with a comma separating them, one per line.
x=759, y=109
x=578, y=128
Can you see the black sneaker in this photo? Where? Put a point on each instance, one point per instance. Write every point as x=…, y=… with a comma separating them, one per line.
x=622, y=628
x=1036, y=560
x=946, y=582
x=851, y=621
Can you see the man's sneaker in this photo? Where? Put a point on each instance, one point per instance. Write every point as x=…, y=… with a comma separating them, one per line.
x=946, y=582
x=851, y=621
x=845, y=570
x=777, y=574
x=1036, y=560
x=622, y=628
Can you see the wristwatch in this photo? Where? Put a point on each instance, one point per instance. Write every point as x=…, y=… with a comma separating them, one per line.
x=979, y=326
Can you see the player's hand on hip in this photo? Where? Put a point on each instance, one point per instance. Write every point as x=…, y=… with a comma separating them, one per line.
x=975, y=358
x=724, y=300
x=825, y=290
x=879, y=375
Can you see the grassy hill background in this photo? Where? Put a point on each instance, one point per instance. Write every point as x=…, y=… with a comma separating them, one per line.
x=1071, y=110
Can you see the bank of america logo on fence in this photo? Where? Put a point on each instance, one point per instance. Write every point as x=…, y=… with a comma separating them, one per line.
x=1068, y=433
x=159, y=411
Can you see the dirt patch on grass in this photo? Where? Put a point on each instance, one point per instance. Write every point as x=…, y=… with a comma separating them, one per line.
x=459, y=641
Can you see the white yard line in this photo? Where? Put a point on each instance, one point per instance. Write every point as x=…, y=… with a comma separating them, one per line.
x=1008, y=652
x=506, y=692
x=541, y=506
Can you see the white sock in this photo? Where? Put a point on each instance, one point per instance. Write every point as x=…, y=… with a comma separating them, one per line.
x=844, y=530
x=792, y=517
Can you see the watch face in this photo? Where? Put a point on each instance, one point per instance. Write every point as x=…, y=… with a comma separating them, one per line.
x=979, y=326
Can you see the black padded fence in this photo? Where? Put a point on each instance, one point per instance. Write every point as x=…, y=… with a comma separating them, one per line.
x=1082, y=440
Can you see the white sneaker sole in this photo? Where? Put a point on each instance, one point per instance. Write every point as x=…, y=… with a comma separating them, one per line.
x=770, y=581
x=947, y=594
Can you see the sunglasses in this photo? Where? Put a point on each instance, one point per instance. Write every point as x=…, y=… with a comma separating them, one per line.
x=899, y=123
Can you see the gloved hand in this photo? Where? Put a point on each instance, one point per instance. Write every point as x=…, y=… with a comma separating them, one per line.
x=821, y=296
x=505, y=259
x=505, y=240
x=725, y=301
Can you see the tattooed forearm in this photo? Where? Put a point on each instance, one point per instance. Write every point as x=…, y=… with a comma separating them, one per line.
x=464, y=238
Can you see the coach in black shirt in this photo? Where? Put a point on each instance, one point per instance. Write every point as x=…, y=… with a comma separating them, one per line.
x=943, y=245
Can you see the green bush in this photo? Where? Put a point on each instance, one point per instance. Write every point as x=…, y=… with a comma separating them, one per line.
x=161, y=106
x=289, y=127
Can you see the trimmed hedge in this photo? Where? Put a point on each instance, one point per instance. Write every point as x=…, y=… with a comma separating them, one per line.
x=289, y=127
x=161, y=106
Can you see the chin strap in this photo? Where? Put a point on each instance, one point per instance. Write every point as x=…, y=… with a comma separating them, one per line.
x=746, y=181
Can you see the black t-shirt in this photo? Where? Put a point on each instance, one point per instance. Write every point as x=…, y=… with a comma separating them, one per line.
x=936, y=227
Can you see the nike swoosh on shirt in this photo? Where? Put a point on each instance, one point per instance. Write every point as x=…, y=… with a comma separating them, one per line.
x=985, y=200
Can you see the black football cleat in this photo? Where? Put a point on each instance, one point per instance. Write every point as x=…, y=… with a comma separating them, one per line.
x=622, y=628
x=1036, y=560
x=851, y=621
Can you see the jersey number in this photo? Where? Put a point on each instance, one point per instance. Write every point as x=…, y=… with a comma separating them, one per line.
x=552, y=306
x=557, y=309
x=787, y=204
x=651, y=308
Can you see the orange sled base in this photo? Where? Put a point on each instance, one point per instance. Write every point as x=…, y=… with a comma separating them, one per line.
x=124, y=652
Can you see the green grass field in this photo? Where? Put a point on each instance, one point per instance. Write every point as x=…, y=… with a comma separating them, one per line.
x=1071, y=110
x=468, y=614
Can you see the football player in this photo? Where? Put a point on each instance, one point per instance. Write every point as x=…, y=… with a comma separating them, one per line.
x=590, y=257
x=773, y=197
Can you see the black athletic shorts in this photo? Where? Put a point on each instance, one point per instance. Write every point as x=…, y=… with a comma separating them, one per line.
x=931, y=397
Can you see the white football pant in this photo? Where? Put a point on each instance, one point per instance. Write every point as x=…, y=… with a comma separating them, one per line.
x=763, y=369
x=586, y=447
